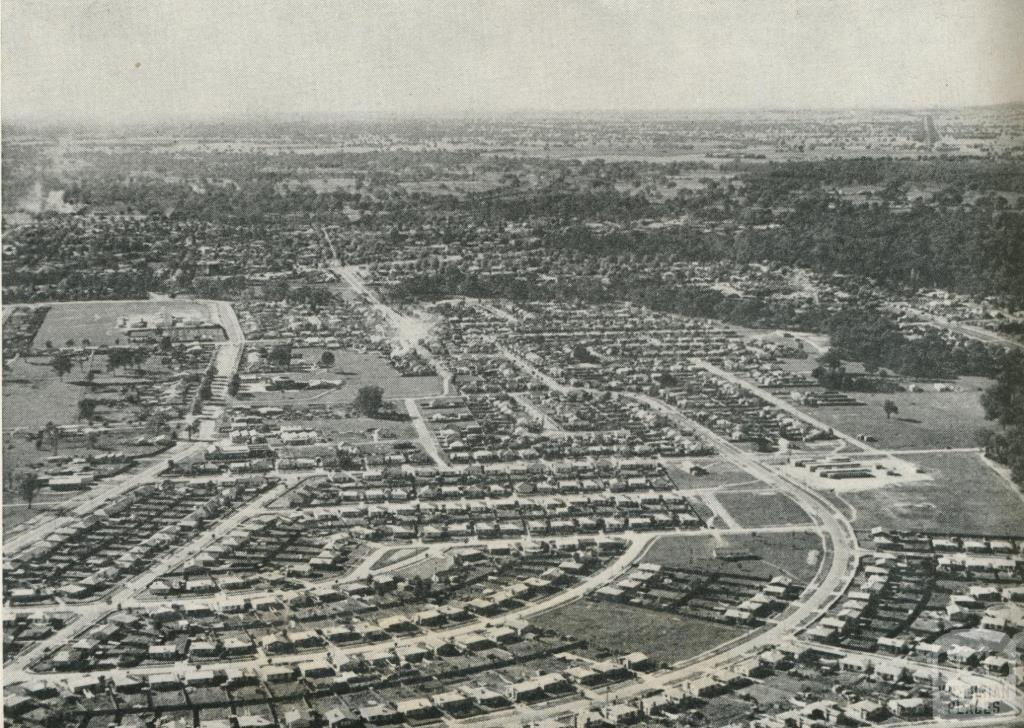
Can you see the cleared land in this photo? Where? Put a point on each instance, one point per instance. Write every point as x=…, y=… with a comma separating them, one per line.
x=97, y=320
x=789, y=554
x=720, y=472
x=926, y=419
x=621, y=628
x=35, y=395
x=394, y=556
x=354, y=369
x=762, y=509
x=966, y=496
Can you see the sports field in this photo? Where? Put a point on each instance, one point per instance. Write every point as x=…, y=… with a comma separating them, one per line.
x=97, y=320
x=35, y=395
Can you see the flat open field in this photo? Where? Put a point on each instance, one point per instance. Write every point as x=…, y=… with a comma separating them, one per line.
x=355, y=369
x=622, y=628
x=97, y=320
x=762, y=509
x=396, y=555
x=35, y=395
x=791, y=554
x=966, y=496
x=720, y=472
x=926, y=419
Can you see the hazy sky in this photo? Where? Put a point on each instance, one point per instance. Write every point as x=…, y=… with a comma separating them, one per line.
x=143, y=59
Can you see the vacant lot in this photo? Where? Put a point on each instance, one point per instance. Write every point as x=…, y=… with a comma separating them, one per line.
x=762, y=509
x=35, y=395
x=791, y=554
x=926, y=420
x=622, y=628
x=396, y=555
x=354, y=369
x=966, y=496
x=97, y=320
x=720, y=472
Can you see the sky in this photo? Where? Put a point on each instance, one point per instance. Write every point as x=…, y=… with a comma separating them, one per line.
x=141, y=60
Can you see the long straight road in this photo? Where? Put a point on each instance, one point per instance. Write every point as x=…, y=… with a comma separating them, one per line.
x=836, y=568
x=227, y=360
x=782, y=404
x=839, y=563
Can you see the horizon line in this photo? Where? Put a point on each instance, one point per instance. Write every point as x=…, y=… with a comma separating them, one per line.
x=61, y=119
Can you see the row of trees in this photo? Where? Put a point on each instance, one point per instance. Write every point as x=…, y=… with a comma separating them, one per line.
x=1004, y=404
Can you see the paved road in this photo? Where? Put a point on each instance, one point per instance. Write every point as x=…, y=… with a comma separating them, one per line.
x=409, y=330
x=426, y=437
x=531, y=369
x=781, y=403
x=970, y=331
x=18, y=670
x=835, y=571
x=42, y=526
x=228, y=357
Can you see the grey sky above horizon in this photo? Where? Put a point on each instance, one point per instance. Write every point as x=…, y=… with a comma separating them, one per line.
x=138, y=60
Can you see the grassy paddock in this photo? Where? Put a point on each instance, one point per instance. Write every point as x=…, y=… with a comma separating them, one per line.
x=720, y=472
x=355, y=369
x=97, y=320
x=966, y=496
x=622, y=628
x=790, y=554
x=926, y=420
x=763, y=509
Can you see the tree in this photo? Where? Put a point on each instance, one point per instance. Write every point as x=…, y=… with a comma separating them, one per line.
x=1004, y=400
x=156, y=422
x=87, y=408
x=138, y=358
x=830, y=371
x=369, y=400
x=61, y=363
x=119, y=358
x=890, y=408
x=830, y=360
x=27, y=486
x=327, y=360
x=1004, y=403
x=280, y=355
x=192, y=428
x=51, y=434
x=582, y=354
